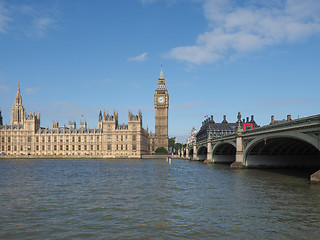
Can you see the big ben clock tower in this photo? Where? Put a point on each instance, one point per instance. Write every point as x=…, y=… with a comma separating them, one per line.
x=161, y=105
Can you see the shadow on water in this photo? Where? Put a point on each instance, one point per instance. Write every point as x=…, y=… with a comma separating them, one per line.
x=304, y=173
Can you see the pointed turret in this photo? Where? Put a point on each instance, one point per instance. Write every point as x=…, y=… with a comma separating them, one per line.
x=18, y=113
x=161, y=81
x=161, y=76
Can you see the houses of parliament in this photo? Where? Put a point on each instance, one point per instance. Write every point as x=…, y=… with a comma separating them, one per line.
x=25, y=137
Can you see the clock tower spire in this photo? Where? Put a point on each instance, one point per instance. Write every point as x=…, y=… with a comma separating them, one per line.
x=161, y=106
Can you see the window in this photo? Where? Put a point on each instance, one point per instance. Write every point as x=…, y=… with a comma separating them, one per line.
x=61, y=139
x=67, y=139
x=79, y=147
x=121, y=138
x=72, y=138
x=109, y=147
x=9, y=148
x=55, y=139
x=91, y=138
x=67, y=147
x=21, y=139
x=42, y=147
x=49, y=147
x=61, y=147
x=91, y=147
x=134, y=138
x=85, y=147
x=2, y=140
x=37, y=147
x=85, y=139
x=37, y=139
x=98, y=147
x=9, y=139
x=2, y=148
x=55, y=147
x=109, y=138
x=29, y=147
x=42, y=139
x=72, y=147
x=15, y=139
x=21, y=147
x=134, y=147
x=49, y=139
x=79, y=139
x=97, y=138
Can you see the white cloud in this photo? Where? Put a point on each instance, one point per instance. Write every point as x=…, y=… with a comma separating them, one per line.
x=140, y=58
x=29, y=20
x=241, y=27
x=4, y=88
x=30, y=91
x=4, y=19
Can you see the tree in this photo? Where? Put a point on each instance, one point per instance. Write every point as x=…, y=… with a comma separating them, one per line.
x=171, y=142
x=178, y=146
x=161, y=150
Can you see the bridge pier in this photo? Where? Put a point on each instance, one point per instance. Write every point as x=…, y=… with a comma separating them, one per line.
x=239, y=154
x=194, y=157
x=209, y=152
x=315, y=178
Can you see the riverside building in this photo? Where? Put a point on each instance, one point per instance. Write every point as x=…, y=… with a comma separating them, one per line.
x=25, y=136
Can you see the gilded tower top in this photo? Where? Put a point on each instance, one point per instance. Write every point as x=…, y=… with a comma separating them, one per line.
x=161, y=81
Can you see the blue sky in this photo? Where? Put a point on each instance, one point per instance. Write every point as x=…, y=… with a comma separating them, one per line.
x=75, y=58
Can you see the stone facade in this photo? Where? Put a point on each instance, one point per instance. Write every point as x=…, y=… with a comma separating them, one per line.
x=25, y=137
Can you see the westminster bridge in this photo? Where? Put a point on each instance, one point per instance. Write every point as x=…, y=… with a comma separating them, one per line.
x=294, y=143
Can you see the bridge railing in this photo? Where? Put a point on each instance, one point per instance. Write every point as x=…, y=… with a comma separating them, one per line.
x=301, y=121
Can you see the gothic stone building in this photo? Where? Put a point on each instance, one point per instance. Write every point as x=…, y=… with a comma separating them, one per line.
x=25, y=136
x=212, y=129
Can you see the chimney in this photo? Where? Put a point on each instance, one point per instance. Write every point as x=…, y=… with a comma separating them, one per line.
x=272, y=119
x=252, y=120
x=289, y=117
x=211, y=118
x=247, y=119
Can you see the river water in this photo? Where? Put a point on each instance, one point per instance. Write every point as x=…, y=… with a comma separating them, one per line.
x=152, y=199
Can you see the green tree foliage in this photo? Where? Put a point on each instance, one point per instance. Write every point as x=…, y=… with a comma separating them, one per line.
x=161, y=150
x=171, y=142
x=177, y=146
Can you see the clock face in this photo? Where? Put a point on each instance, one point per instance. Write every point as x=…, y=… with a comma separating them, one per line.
x=161, y=100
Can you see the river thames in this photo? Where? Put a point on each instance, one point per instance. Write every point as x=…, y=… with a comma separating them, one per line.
x=152, y=199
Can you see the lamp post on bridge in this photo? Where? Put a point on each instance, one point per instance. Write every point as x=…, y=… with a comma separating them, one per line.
x=239, y=143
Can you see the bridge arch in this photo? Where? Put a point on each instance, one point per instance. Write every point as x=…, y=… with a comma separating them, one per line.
x=202, y=153
x=284, y=150
x=224, y=152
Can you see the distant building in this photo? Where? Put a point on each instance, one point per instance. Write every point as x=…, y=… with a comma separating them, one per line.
x=25, y=136
x=212, y=129
x=192, y=136
x=280, y=121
